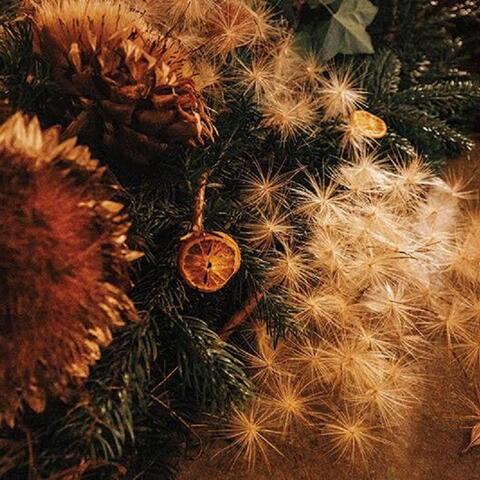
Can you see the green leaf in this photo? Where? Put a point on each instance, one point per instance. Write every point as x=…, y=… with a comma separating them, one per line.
x=345, y=31
x=316, y=3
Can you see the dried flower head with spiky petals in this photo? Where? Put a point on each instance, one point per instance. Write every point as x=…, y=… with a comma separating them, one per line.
x=394, y=304
x=250, y=431
x=256, y=76
x=321, y=200
x=290, y=402
x=231, y=24
x=286, y=60
x=264, y=189
x=209, y=78
x=354, y=138
x=365, y=173
x=350, y=435
x=265, y=364
x=187, y=12
x=351, y=364
x=289, y=268
x=465, y=260
x=289, y=113
x=338, y=95
x=305, y=356
x=119, y=83
x=410, y=180
x=449, y=323
x=384, y=400
x=62, y=268
x=311, y=71
x=268, y=228
x=468, y=349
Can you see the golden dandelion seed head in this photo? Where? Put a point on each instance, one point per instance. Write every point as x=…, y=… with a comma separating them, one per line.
x=289, y=113
x=338, y=95
x=305, y=356
x=366, y=173
x=449, y=321
x=354, y=138
x=265, y=364
x=231, y=24
x=257, y=76
x=269, y=228
x=468, y=349
x=250, y=431
x=263, y=188
x=385, y=400
x=290, y=403
x=289, y=268
x=319, y=200
x=312, y=69
x=394, y=304
x=208, y=77
x=352, y=364
x=350, y=435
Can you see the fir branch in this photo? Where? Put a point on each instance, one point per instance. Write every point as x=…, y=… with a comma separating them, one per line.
x=443, y=99
x=431, y=136
x=208, y=370
x=380, y=75
x=23, y=76
x=8, y=10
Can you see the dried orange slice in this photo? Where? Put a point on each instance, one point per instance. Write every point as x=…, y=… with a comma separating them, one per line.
x=369, y=124
x=207, y=260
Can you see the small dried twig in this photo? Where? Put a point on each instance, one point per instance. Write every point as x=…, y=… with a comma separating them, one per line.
x=177, y=417
x=240, y=316
x=199, y=207
x=76, y=472
x=32, y=468
x=165, y=380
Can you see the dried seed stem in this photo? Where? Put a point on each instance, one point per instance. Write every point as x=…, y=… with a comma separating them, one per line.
x=199, y=207
x=239, y=317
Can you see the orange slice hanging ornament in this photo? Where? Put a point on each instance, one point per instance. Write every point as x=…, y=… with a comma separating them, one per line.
x=369, y=124
x=207, y=260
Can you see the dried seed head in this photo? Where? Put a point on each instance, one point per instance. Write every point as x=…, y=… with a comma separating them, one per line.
x=62, y=268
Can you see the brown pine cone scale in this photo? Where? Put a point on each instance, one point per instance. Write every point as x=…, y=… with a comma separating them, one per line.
x=138, y=86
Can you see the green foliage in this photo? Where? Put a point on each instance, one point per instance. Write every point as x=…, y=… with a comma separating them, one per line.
x=428, y=37
x=337, y=26
x=344, y=32
x=424, y=117
x=132, y=419
x=23, y=76
x=8, y=10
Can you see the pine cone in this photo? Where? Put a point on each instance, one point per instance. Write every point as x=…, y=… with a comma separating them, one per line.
x=62, y=265
x=118, y=79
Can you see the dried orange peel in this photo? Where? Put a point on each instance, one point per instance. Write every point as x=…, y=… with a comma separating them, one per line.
x=208, y=260
x=368, y=124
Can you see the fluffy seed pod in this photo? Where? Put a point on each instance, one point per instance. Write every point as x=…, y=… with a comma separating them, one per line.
x=230, y=25
x=118, y=79
x=62, y=265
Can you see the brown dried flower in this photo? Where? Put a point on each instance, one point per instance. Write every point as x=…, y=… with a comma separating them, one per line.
x=62, y=265
x=119, y=79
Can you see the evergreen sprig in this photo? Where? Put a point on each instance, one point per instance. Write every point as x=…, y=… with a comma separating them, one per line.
x=133, y=418
x=23, y=76
x=423, y=117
